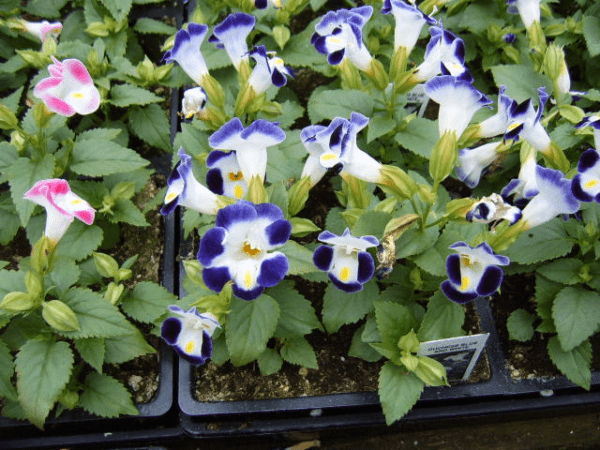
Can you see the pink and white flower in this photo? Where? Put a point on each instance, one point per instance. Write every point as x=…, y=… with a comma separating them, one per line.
x=69, y=89
x=62, y=206
x=42, y=30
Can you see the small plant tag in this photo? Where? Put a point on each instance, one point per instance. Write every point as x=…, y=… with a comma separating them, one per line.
x=417, y=100
x=458, y=355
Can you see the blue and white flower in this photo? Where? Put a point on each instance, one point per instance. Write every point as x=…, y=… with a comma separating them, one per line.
x=526, y=185
x=190, y=333
x=239, y=248
x=345, y=259
x=594, y=122
x=472, y=272
x=499, y=122
x=492, y=209
x=194, y=102
x=458, y=100
x=339, y=35
x=409, y=22
x=445, y=54
x=526, y=123
x=269, y=70
x=335, y=146
x=473, y=161
x=186, y=51
x=250, y=144
x=183, y=189
x=225, y=177
x=231, y=35
x=555, y=197
x=586, y=184
x=529, y=10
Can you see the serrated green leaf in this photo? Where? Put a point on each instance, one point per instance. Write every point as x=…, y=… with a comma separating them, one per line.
x=542, y=243
x=564, y=270
x=269, y=362
x=545, y=293
x=65, y=273
x=521, y=81
x=7, y=369
x=92, y=351
x=379, y=126
x=361, y=349
x=416, y=240
x=98, y=134
x=8, y=218
x=443, y=319
x=148, y=302
x=124, y=348
x=192, y=139
x=49, y=9
x=398, y=392
x=118, y=8
x=249, y=326
x=299, y=351
x=124, y=210
x=80, y=241
x=96, y=316
x=520, y=325
x=575, y=364
x=341, y=308
x=106, y=397
x=393, y=321
x=297, y=315
x=433, y=259
x=591, y=33
x=151, y=125
x=104, y=158
x=419, y=136
x=325, y=105
x=146, y=25
x=43, y=369
x=576, y=313
x=299, y=258
x=22, y=175
x=123, y=95
x=8, y=156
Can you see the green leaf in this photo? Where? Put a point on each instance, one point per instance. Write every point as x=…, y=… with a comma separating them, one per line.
x=415, y=240
x=544, y=242
x=361, y=349
x=520, y=325
x=419, y=136
x=398, y=392
x=443, y=319
x=80, y=240
x=22, y=175
x=125, y=211
x=118, y=8
x=151, y=125
x=92, y=351
x=564, y=270
x=8, y=156
x=379, y=126
x=65, y=273
x=7, y=369
x=96, y=316
x=393, y=321
x=545, y=293
x=299, y=258
x=145, y=25
x=125, y=348
x=576, y=313
x=297, y=315
x=8, y=218
x=298, y=351
x=371, y=223
x=521, y=82
x=433, y=259
x=148, y=302
x=249, y=326
x=341, y=308
x=104, y=158
x=269, y=362
x=127, y=94
x=49, y=9
x=43, y=370
x=325, y=105
x=591, y=33
x=106, y=397
x=575, y=364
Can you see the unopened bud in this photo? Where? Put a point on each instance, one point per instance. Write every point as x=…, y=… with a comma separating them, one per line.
x=431, y=372
x=214, y=90
x=105, y=264
x=8, y=119
x=59, y=316
x=409, y=342
x=411, y=362
x=113, y=292
x=298, y=195
x=16, y=302
x=443, y=157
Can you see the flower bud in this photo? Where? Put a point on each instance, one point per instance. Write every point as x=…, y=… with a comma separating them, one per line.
x=298, y=195
x=396, y=179
x=443, y=157
x=69, y=399
x=41, y=115
x=409, y=342
x=113, y=292
x=59, y=316
x=214, y=90
x=301, y=227
x=145, y=70
x=457, y=209
x=106, y=265
x=378, y=75
x=8, y=120
x=431, y=372
x=17, y=140
x=193, y=272
x=34, y=283
x=411, y=362
x=123, y=274
x=16, y=302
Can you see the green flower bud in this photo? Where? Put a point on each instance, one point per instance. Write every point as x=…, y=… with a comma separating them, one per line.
x=302, y=227
x=113, y=292
x=59, y=316
x=554, y=61
x=378, y=75
x=457, y=209
x=256, y=191
x=443, y=157
x=106, y=265
x=411, y=362
x=34, y=283
x=123, y=274
x=431, y=372
x=98, y=29
x=69, y=399
x=298, y=195
x=398, y=181
x=193, y=272
x=16, y=302
x=409, y=342
x=8, y=120
x=125, y=189
x=17, y=139
x=214, y=90
x=41, y=115
x=145, y=70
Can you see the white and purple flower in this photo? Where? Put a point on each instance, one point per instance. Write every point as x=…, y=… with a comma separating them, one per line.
x=493, y=208
x=262, y=4
x=335, y=146
x=345, y=259
x=409, y=22
x=190, y=333
x=499, y=122
x=339, y=35
x=250, y=144
x=184, y=190
x=445, y=54
x=62, y=206
x=269, y=70
x=194, y=102
x=594, y=122
x=69, y=89
x=526, y=123
x=458, y=100
x=231, y=35
x=526, y=185
x=225, y=177
x=472, y=272
x=586, y=184
x=186, y=51
x=472, y=162
x=529, y=10
x=239, y=248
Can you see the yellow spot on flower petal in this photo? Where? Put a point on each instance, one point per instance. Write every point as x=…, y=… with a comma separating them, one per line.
x=251, y=250
x=170, y=197
x=236, y=176
x=77, y=95
x=238, y=191
x=328, y=156
x=189, y=346
x=248, y=281
x=590, y=184
x=75, y=202
x=345, y=274
x=464, y=283
x=465, y=260
x=513, y=125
